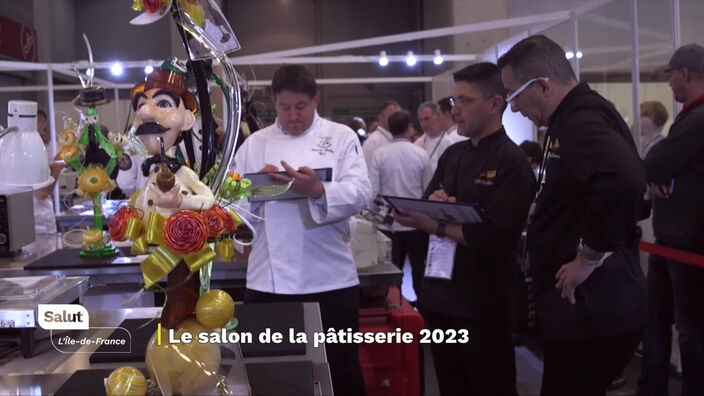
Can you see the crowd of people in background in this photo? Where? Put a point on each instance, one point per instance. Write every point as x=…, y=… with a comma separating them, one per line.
x=579, y=194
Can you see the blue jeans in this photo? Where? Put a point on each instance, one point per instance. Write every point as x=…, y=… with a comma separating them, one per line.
x=657, y=338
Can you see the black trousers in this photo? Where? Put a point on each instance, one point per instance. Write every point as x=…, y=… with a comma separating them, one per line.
x=413, y=244
x=339, y=309
x=657, y=339
x=483, y=366
x=586, y=367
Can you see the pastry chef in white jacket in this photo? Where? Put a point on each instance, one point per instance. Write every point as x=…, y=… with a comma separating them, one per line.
x=301, y=252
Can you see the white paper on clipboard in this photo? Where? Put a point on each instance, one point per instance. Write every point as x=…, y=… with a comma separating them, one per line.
x=263, y=179
x=448, y=212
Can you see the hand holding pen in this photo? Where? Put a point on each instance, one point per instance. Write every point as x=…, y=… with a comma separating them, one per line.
x=441, y=195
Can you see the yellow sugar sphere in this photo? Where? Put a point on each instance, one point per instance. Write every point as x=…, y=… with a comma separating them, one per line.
x=186, y=368
x=214, y=309
x=126, y=381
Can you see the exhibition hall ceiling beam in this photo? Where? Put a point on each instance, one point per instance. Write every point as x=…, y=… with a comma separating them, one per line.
x=348, y=59
x=500, y=48
x=558, y=16
x=625, y=26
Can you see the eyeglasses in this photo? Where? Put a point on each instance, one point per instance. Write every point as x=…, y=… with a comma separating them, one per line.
x=512, y=98
x=459, y=101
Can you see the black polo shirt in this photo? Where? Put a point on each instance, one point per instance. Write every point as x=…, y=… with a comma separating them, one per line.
x=495, y=175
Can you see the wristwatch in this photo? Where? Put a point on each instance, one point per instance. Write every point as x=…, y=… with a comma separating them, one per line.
x=441, y=230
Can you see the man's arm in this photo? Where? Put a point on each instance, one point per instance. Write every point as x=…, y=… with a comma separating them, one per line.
x=614, y=178
x=669, y=157
x=350, y=192
x=506, y=211
x=375, y=174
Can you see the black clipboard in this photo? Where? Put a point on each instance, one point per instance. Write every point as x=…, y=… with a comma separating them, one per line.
x=448, y=212
x=263, y=179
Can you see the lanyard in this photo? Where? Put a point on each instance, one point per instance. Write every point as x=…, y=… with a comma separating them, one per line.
x=437, y=144
x=547, y=149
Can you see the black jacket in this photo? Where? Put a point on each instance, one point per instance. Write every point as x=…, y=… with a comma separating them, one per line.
x=679, y=220
x=593, y=190
x=495, y=175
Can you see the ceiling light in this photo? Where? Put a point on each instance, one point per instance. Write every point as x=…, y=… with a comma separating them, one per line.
x=411, y=59
x=569, y=54
x=148, y=69
x=579, y=54
x=116, y=69
x=438, y=58
x=383, y=60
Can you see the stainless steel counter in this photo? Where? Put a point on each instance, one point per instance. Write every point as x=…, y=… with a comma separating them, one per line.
x=82, y=214
x=45, y=373
x=225, y=274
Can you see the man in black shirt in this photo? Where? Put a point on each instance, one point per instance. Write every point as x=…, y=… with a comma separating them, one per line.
x=582, y=239
x=476, y=289
x=675, y=168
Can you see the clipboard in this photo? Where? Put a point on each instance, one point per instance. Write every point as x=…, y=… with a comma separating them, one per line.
x=263, y=179
x=448, y=212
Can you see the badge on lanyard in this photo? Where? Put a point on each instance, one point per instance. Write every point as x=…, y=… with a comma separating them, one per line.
x=441, y=257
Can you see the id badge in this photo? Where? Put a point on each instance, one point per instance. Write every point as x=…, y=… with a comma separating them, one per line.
x=441, y=257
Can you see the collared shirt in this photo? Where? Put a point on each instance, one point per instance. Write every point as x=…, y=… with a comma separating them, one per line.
x=401, y=169
x=434, y=146
x=496, y=176
x=301, y=245
x=454, y=136
x=380, y=137
x=655, y=140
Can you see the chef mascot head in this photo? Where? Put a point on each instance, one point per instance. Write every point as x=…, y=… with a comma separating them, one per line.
x=163, y=106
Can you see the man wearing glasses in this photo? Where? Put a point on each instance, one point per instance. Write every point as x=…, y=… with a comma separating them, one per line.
x=582, y=238
x=471, y=285
x=675, y=168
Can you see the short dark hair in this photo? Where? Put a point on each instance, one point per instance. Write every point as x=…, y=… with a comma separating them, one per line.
x=294, y=78
x=41, y=112
x=538, y=56
x=445, y=104
x=486, y=77
x=533, y=151
x=387, y=104
x=399, y=122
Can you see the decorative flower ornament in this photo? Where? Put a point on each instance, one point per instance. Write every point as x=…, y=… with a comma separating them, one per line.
x=185, y=232
x=95, y=180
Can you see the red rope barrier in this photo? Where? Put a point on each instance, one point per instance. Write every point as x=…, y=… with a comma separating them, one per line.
x=673, y=254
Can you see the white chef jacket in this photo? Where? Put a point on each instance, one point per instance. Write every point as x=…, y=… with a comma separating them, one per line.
x=454, y=136
x=44, y=218
x=380, y=137
x=301, y=245
x=434, y=146
x=401, y=169
x=132, y=179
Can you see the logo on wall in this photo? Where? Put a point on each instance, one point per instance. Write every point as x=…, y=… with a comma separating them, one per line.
x=17, y=40
x=28, y=43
